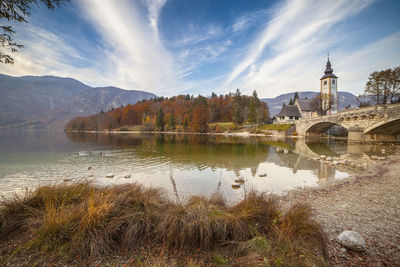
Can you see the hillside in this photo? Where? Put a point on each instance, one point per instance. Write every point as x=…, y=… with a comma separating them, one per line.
x=275, y=104
x=50, y=102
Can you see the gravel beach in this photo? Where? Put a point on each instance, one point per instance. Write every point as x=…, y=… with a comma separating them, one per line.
x=367, y=203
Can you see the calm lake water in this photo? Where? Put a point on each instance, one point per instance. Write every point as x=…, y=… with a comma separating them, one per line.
x=180, y=164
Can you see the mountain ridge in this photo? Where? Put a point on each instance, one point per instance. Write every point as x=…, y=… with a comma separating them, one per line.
x=275, y=104
x=51, y=101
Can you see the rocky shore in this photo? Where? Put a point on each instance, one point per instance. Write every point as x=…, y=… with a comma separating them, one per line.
x=368, y=203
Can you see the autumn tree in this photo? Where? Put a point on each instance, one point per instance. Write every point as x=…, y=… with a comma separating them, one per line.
x=200, y=115
x=263, y=113
x=383, y=85
x=323, y=103
x=17, y=10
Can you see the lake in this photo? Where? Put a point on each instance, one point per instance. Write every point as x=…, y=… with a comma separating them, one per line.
x=182, y=165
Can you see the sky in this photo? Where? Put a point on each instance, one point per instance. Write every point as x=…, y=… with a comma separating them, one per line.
x=171, y=47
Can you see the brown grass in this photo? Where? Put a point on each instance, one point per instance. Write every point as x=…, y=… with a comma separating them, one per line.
x=66, y=220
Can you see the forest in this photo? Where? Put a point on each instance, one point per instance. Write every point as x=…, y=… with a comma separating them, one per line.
x=179, y=113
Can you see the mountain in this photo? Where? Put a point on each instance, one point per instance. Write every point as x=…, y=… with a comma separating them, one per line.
x=50, y=102
x=275, y=104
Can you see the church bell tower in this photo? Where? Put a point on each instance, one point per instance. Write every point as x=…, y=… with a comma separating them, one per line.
x=329, y=97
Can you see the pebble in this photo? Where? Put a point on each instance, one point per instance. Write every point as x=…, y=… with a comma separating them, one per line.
x=110, y=175
x=127, y=176
x=235, y=185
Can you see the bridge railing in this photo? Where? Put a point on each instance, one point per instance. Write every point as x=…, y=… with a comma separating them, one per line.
x=344, y=113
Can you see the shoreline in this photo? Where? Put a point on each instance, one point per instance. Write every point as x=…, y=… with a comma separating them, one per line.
x=366, y=202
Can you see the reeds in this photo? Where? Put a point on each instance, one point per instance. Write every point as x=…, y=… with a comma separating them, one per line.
x=82, y=219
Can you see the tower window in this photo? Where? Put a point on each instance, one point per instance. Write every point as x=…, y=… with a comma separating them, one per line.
x=325, y=82
x=333, y=81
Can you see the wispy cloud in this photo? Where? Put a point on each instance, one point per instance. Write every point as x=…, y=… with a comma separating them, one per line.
x=277, y=49
x=138, y=56
x=295, y=30
x=46, y=53
x=154, y=8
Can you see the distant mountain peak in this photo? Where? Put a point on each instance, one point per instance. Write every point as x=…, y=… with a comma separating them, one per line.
x=51, y=101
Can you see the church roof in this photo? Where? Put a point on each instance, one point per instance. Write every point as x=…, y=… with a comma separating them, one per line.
x=289, y=111
x=306, y=104
x=328, y=71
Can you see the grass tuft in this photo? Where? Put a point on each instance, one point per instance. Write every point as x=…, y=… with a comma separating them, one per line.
x=81, y=219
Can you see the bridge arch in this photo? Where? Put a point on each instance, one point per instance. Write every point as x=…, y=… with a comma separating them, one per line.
x=387, y=127
x=322, y=127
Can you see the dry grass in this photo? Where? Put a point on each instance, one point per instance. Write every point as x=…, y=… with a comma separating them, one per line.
x=66, y=220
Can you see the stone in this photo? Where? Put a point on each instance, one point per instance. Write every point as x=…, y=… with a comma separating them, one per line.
x=110, y=175
x=351, y=240
x=127, y=176
x=262, y=175
x=239, y=180
x=235, y=185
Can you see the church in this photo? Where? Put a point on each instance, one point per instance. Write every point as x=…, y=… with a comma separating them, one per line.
x=308, y=108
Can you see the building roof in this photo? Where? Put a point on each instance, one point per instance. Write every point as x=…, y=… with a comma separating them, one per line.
x=289, y=111
x=306, y=104
x=328, y=71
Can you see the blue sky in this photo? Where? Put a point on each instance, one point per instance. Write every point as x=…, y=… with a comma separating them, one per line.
x=171, y=47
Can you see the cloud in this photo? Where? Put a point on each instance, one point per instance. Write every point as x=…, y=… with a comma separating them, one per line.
x=293, y=23
x=46, y=53
x=138, y=56
x=134, y=57
x=275, y=50
x=154, y=9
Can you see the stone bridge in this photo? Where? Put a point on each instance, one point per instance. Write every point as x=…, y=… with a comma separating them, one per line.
x=374, y=123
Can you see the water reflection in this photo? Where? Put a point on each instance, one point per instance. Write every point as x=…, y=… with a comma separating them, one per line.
x=181, y=164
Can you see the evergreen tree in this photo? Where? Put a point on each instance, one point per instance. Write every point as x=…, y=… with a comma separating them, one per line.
x=296, y=96
x=254, y=109
x=171, y=122
x=291, y=102
x=238, y=114
x=160, y=120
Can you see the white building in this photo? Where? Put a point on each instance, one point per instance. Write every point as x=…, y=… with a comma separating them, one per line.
x=329, y=97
